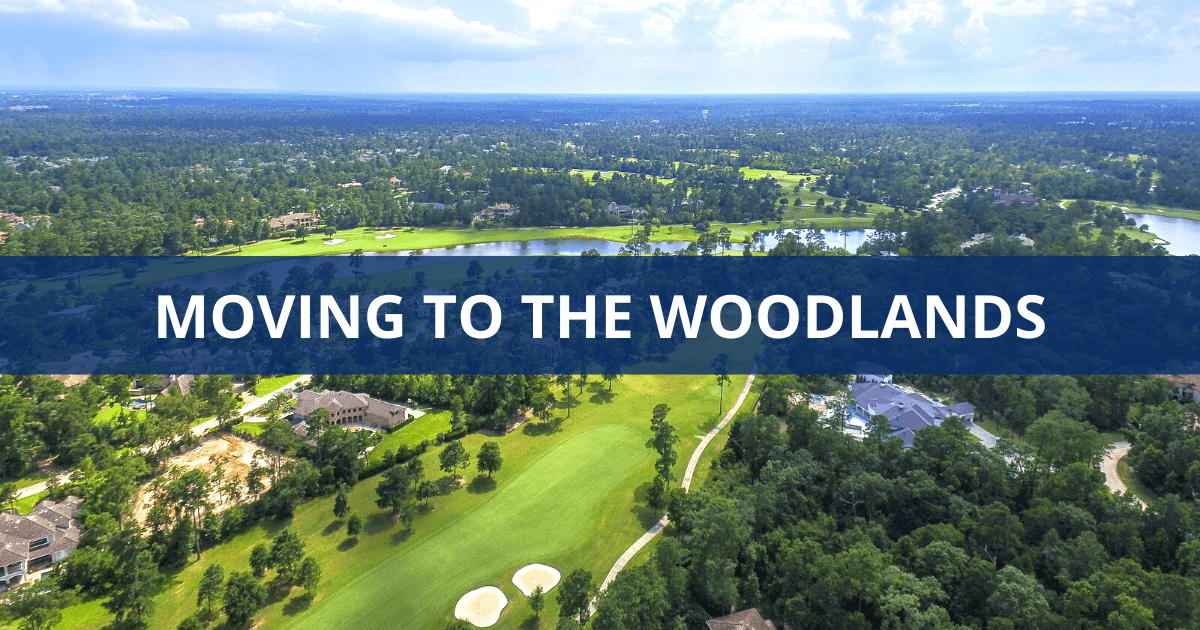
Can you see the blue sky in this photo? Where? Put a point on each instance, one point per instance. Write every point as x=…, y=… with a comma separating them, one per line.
x=597, y=46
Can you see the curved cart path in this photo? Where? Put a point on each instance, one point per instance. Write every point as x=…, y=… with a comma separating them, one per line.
x=686, y=485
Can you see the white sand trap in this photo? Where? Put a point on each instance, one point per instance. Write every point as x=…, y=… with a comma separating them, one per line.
x=380, y=238
x=481, y=607
x=529, y=578
x=336, y=241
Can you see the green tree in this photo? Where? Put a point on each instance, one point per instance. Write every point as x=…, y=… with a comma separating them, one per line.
x=131, y=599
x=720, y=366
x=537, y=601
x=286, y=551
x=260, y=559
x=474, y=270
x=453, y=457
x=8, y=495
x=409, y=262
x=394, y=490
x=341, y=503
x=308, y=575
x=575, y=595
x=357, y=259
x=244, y=596
x=663, y=440
x=209, y=589
x=354, y=525
x=489, y=460
x=191, y=622
x=426, y=490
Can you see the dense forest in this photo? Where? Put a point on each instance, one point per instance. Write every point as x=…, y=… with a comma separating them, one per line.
x=168, y=173
x=821, y=531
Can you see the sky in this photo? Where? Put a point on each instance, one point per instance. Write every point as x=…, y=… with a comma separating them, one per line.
x=604, y=46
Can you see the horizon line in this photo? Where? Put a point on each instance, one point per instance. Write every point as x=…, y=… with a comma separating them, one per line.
x=4, y=89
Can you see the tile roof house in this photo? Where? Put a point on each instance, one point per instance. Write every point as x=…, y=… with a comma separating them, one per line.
x=748, y=619
x=32, y=542
x=908, y=411
x=293, y=220
x=346, y=408
x=180, y=382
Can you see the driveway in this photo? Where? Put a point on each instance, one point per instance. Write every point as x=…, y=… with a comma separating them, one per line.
x=1109, y=466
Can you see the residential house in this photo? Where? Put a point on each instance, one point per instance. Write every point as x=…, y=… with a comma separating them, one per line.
x=626, y=212
x=30, y=543
x=1008, y=199
x=1185, y=387
x=294, y=220
x=906, y=409
x=496, y=211
x=507, y=292
x=181, y=383
x=347, y=408
x=749, y=619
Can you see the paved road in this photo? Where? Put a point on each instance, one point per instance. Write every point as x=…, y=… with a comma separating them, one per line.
x=197, y=430
x=1109, y=466
x=254, y=403
x=686, y=485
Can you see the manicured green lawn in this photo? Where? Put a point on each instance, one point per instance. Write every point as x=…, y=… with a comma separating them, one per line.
x=424, y=428
x=109, y=414
x=250, y=428
x=565, y=498
x=268, y=386
x=31, y=479
x=1166, y=211
x=542, y=516
x=1092, y=233
x=88, y=614
x=26, y=505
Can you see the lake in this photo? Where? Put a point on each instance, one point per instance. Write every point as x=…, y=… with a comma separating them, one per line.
x=1183, y=234
x=277, y=272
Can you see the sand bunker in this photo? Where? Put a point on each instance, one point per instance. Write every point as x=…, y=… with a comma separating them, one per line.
x=336, y=241
x=529, y=578
x=481, y=607
x=380, y=238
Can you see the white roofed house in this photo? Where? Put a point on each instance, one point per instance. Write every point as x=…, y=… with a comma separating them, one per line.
x=346, y=408
x=907, y=410
x=31, y=543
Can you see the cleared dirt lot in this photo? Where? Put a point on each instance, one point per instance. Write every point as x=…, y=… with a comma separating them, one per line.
x=237, y=455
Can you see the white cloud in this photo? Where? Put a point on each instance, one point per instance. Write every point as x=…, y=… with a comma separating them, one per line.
x=756, y=25
x=30, y=6
x=125, y=13
x=440, y=20
x=257, y=21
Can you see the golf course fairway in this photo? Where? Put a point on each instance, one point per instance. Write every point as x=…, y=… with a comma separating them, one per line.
x=546, y=512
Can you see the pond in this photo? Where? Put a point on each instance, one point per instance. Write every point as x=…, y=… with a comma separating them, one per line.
x=277, y=272
x=1182, y=234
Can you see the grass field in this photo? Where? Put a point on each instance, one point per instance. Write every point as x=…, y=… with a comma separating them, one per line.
x=267, y=386
x=424, y=428
x=26, y=505
x=108, y=414
x=541, y=516
x=1166, y=211
x=253, y=429
x=569, y=498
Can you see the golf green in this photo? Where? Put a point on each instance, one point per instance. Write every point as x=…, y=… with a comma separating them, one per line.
x=549, y=510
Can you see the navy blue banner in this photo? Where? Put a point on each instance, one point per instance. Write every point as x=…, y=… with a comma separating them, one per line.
x=631, y=315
